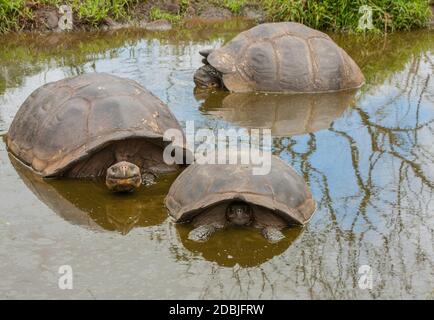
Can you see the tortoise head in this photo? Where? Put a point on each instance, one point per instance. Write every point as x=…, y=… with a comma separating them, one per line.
x=239, y=213
x=208, y=77
x=123, y=177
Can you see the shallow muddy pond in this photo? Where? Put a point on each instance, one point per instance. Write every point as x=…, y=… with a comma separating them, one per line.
x=368, y=158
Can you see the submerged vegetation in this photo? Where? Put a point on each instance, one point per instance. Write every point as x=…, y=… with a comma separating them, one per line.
x=336, y=15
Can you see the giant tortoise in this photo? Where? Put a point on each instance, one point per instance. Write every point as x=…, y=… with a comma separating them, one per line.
x=93, y=125
x=213, y=196
x=279, y=57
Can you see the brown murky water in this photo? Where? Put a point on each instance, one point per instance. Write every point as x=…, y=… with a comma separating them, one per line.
x=368, y=158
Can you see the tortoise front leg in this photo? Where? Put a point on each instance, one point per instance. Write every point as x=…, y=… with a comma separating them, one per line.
x=203, y=232
x=272, y=234
x=149, y=177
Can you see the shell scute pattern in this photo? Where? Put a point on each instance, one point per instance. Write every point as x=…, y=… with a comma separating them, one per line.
x=285, y=57
x=281, y=191
x=64, y=121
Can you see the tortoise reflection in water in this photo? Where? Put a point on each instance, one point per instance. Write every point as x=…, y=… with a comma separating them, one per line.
x=93, y=125
x=235, y=246
x=89, y=205
x=284, y=114
x=213, y=196
x=279, y=57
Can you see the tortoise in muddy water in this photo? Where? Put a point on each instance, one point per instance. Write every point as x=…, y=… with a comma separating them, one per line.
x=93, y=125
x=214, y=196
x=279, y=57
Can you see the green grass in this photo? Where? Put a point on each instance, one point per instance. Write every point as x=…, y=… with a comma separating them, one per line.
x=10, y=12
x=388, y=15
x=234, y=5
x=158, y=14
x=89, y=12
x=341, y=15
x=93, y=12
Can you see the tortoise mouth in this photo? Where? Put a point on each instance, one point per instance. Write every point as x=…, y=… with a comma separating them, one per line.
x=241, y=222
x=123, y=177
x=123, y=184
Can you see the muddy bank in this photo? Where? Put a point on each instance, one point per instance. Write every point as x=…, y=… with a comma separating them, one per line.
x=154, y=15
